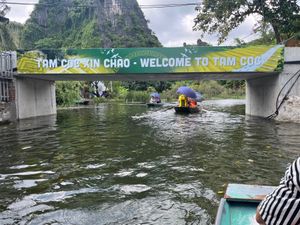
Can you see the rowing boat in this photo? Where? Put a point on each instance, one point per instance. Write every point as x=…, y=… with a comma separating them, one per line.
x=238, y=207
x=155, y=104
x=186, y=110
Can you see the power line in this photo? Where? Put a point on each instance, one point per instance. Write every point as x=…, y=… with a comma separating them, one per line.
x=154, y=6
x=242, y=38
x=168, y=5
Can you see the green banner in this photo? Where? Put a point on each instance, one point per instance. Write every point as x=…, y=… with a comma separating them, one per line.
x=152, y=60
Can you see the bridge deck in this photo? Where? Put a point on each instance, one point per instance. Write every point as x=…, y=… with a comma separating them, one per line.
x=151, y=77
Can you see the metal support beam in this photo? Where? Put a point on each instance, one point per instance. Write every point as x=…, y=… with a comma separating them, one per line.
x=150, y=77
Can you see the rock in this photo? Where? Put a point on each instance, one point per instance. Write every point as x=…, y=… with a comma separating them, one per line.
x=4, y=113
x=290, y=112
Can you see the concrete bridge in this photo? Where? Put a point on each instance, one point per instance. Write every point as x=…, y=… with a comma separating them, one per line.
x=35, y=87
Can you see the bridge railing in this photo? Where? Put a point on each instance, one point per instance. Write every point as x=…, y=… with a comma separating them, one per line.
x=7, y=65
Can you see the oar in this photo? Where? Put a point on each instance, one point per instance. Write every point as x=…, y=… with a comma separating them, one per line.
x=167, y=108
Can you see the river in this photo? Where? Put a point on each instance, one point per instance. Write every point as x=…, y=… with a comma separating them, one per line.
x=127, y=164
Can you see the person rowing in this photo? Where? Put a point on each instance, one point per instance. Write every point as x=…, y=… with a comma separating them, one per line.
x=182, y=101
x=192, y=103
x=282, y=206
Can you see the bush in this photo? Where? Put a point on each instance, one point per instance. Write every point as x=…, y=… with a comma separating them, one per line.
x=99, y=100
x=68, y=92
x=210, y=89
x=137, y=96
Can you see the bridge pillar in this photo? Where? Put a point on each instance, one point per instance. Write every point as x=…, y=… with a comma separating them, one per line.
x=262, y=93
x=34, y=98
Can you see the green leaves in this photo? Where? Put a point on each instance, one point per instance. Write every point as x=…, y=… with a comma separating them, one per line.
x=221, y=17
x=10, y=36
x=48, y=43
x=68, y=92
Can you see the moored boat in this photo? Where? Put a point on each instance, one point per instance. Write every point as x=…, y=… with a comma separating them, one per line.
x=238, y=207
x=187, y=110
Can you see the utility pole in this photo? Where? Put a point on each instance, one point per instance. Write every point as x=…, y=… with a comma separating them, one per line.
x=4, y=9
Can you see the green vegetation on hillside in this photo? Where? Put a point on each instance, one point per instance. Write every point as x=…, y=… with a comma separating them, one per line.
x=10, y=36
x=104, y=26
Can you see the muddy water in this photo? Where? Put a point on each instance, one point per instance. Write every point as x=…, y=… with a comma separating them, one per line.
x=127, y=164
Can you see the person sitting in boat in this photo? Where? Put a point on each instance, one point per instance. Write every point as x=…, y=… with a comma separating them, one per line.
x=282, y=206
x=155, y=100
x=152, y=100
x=182, y=101
x=192, y=103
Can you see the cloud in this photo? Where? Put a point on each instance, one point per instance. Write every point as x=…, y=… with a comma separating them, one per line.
x=173, y=26
x=20, y=13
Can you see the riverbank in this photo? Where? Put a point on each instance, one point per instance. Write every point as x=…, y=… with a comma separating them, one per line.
x=70, y=93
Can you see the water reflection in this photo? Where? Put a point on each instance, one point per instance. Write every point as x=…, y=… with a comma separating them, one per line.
x=126, y=164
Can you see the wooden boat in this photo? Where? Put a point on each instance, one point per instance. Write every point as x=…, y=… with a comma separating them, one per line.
x=186, y=110
x=155, y=104
x=238, y=207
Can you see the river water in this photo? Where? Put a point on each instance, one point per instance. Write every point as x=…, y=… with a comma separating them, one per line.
x=127, y=164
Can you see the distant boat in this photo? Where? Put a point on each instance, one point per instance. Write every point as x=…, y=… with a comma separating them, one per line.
x=187, y=110
x=238, y=207
x=84, y=101
x=155, y=100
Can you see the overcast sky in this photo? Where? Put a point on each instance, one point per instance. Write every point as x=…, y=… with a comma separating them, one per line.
x=172, y=26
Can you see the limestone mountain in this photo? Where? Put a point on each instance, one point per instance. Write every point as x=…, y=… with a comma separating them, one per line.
x=10, y=35
x=87, y=24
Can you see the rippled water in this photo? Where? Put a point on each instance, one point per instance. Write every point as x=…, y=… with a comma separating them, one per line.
x=126, y=164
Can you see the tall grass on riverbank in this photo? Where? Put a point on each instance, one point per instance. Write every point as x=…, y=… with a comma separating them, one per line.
x=69, y=92
x=210, y=89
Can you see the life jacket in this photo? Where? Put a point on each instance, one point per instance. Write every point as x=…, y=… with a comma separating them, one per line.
x=193, y=103
x=182, y=100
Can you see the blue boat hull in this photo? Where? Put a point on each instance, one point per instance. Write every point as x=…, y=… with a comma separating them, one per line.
x=236, y=213
x=238, y=207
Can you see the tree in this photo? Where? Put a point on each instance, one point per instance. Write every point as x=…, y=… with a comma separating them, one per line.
x=4, y=9
x=215, y=16
x=239, y=41
x=68, y=92
x=297, y=26
x=202, y=43
x=48, y=43
x=6, y=40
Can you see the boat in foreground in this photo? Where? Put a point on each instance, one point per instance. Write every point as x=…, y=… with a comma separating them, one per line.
x=155, y=104
x=238, y=207
x=186, y=110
